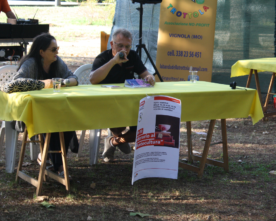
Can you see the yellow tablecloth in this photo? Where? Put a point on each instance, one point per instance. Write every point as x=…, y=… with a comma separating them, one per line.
x=94, y=107
x=243, y=67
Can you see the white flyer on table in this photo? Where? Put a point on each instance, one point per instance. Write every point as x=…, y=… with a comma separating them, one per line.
x=157, y=139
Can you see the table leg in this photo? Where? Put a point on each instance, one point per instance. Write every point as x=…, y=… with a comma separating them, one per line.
x=249, y=78
x=264, y=106
x=64, y=161
x=203, y=159
x=224, y=145
x=269, y=92
x=206, y=147
x=189, y=141
x=44, y=155
x=258, y=86
x=21, y=156
x=41, y=142
x=42, y=171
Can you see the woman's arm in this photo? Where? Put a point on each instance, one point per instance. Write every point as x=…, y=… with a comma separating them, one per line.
x=66, y=73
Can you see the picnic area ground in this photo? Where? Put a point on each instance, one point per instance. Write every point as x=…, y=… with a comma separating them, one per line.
x=104, y=191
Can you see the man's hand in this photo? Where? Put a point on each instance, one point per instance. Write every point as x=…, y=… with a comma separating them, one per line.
x=120, y=60
x=150, y=78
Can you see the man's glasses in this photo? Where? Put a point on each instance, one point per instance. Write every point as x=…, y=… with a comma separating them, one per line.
x=121, y=46
x=54, y=49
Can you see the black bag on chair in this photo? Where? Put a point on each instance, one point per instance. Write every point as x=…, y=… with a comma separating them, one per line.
x=74, y=143
x=19, y=126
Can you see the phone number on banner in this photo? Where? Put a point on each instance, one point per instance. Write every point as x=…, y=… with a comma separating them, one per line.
x=190, y=54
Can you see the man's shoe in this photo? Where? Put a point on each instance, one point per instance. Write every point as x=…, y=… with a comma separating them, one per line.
x=109, y=150
x=124, y=147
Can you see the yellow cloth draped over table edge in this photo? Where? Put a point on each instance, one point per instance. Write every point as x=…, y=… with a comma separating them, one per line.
x=243, y=67
x=94, y=107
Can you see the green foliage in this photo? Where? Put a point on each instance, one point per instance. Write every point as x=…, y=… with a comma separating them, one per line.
x=47, y=205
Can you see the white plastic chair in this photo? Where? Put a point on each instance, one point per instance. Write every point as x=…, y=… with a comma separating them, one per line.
x=6, y=74
x=94, y=138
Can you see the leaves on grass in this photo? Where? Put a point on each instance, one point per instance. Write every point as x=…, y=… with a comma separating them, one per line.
x=196, y=152
x=139, y=214
x=26, y=164
x=201, y=133
x=93, y=185
x=47, y=205
x=130, y=209
x=41, y=198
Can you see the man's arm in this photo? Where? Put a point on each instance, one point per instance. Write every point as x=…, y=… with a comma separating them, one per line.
x=10, y=15
x=148, y=77
x=100, y=74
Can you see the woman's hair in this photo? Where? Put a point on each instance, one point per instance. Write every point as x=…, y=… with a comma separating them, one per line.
x=40, y=42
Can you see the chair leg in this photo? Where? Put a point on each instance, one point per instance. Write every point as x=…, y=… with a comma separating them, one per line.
x=109, y=133
x=34, y=148
x=2, y=135
x=11, y=143
x=81, y=142
x=94, y=144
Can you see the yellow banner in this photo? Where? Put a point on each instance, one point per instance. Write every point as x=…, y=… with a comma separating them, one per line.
x=186, y=38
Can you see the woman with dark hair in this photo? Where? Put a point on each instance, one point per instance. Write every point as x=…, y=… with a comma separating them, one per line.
x=43, y=64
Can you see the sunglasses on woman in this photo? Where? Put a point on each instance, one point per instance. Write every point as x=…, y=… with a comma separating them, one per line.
x=54, y=49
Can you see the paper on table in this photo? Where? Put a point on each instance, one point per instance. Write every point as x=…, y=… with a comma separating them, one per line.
x=112, y=86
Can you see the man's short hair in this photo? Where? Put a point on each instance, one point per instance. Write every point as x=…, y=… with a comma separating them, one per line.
x=123, y=32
